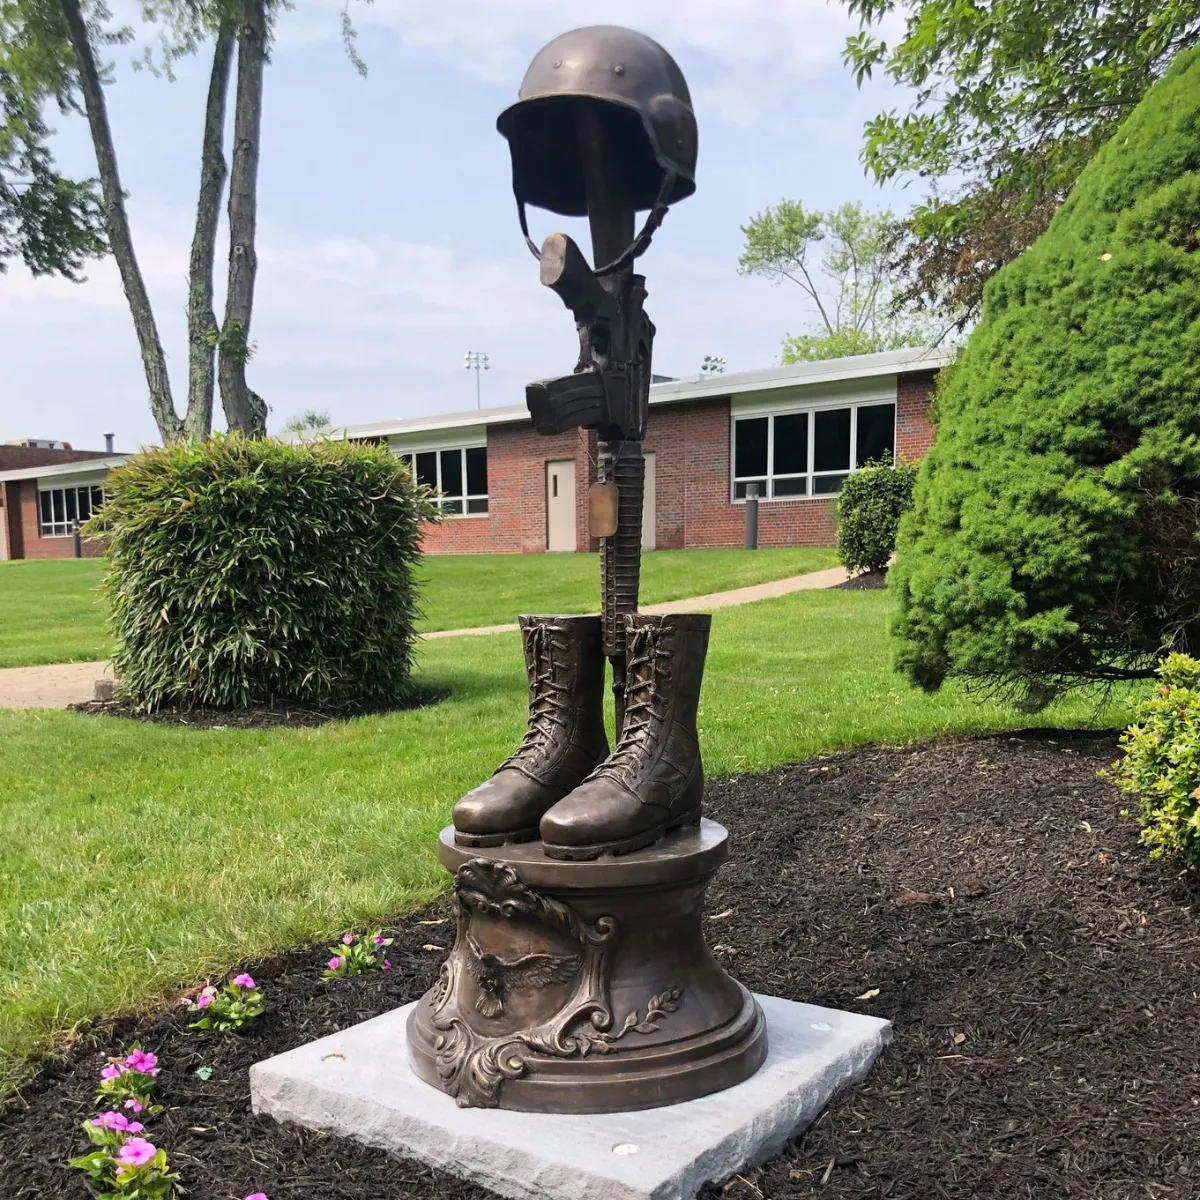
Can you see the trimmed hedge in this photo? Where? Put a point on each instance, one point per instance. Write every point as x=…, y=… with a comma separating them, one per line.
x=1053, y=540
x=244, y=573
x=869, y=508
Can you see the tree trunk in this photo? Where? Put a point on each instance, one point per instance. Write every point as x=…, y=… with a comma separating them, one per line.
x=116, y=225
x=244, y=410
x=202, y=321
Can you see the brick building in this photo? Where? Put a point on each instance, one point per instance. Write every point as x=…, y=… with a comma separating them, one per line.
x=43, y=491
x=794, y=431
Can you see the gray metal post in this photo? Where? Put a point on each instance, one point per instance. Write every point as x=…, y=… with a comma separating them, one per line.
x=752, y=516
x=78, y=540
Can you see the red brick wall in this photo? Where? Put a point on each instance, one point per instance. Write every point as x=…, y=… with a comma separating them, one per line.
x=516, y=520
x=914, y=430
x=690, y=443
x=29, y=543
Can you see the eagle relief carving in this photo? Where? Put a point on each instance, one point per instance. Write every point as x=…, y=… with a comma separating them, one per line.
x=473, y=1064
x=494, y=975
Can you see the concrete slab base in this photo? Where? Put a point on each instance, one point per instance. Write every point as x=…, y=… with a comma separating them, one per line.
x=358, y=1084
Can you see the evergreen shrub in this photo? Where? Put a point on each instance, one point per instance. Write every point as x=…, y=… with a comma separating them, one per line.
x=869, y=508
x=1161, y=765
x=1053, y=537
x=243, y=573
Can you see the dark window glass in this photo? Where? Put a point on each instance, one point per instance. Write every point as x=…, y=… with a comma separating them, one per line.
x=44, y=501
x=59, y=506
x=85, y=503
x=477, y=472
x=477, y=506
x=452, y=506
x=876, y=432
x=831, y=440
x=452, y=479
x=71, y=496
x=750, y=447
x=97, y=498
x=826, y=485
x=791, y=487
x=427, y=468
x=791, y=444
x=739, y=489
x=407, y=460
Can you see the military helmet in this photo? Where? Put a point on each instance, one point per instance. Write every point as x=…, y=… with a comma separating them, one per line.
x=641, y=93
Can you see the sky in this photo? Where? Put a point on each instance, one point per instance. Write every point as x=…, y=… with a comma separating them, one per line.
x=388, y=241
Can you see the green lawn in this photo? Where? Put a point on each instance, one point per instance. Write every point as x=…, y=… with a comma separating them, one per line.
x=135, y=858
x=52, y=613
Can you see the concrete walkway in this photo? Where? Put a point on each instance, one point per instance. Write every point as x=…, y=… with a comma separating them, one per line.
x=72, y=683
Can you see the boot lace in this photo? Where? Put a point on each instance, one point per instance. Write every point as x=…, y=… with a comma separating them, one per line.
x=645, y=698
x=547, y=698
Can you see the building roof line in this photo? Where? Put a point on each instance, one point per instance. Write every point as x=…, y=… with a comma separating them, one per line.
x=82, y=467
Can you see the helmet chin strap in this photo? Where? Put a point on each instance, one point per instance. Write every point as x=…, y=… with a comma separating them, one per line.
x=637, y=247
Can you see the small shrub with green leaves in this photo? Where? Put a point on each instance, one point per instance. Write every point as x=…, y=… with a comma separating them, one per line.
x=231, y=1007
x=1161, y=765
x=245, y=573
x=128, y=1082
x=123, y=1165
x=869, y=509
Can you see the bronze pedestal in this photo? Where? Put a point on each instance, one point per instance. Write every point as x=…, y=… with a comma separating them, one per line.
x=584, y=987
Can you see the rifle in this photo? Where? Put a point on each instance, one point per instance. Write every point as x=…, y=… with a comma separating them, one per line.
x=609, y=389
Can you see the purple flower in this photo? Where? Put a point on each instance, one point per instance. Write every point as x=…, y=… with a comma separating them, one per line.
x=136, y=1152
x=377, y=940
x=243, y=981
x=348, y=940
x=143, y=1063
x=258, y=1196
x=112, y=1071
x=335, y=964
x=203, y=1000
x=135, y=1105
x=387, y=966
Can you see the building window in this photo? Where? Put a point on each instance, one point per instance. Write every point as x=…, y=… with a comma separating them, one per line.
x=458, y=477
x=60, y=508
x=809, y=453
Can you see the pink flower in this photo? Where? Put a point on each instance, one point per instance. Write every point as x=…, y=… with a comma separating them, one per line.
x=136, y=1152
x=112, y=1071
x=243, y=981
x=143, y=1063
x=335, y=964
x=112, y=1120
x=387, y=966
x=377, y=940
x=136, y=1105
x=203, y=1000
x=348, y=940
x=258, y=1196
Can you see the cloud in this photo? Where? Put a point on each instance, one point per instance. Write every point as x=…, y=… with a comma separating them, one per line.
x=741, y=57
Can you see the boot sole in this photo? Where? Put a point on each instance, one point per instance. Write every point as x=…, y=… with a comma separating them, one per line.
x=481, y=840
x=621, y=845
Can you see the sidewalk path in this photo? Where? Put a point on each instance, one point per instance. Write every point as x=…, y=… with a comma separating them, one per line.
x=72, y=683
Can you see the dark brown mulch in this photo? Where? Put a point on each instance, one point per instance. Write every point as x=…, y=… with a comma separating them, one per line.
x=1041, y=974
x=868, y=581
x=295, y=715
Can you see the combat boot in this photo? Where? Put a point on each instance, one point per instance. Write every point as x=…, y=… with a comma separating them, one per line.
x=653, y=782
x=565, y=739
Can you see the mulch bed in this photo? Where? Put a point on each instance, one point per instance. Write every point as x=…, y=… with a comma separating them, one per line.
x=868, y=581
x=294, y=715
x=1040, y=971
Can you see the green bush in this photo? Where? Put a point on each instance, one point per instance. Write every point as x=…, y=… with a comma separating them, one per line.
x=1053, y=537
x=1162, y=762
x=244, y=573
x=869, y=509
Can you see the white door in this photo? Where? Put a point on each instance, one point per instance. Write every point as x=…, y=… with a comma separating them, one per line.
x=560, y=505
x=648, y=506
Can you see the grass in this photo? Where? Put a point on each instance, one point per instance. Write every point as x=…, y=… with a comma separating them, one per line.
x=137, y=858
x=52, y=612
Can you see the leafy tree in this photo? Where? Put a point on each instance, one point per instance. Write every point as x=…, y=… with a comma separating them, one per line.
x=839, y=260
x=1055, y=535
x=1012, y=100
x=50, y=222
x=311, y=420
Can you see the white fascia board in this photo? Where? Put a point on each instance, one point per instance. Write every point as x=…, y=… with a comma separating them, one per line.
x=438, y=439
x=875, y=390
x=64, y=473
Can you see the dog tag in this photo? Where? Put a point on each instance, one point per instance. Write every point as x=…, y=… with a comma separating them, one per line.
x=602, y=509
